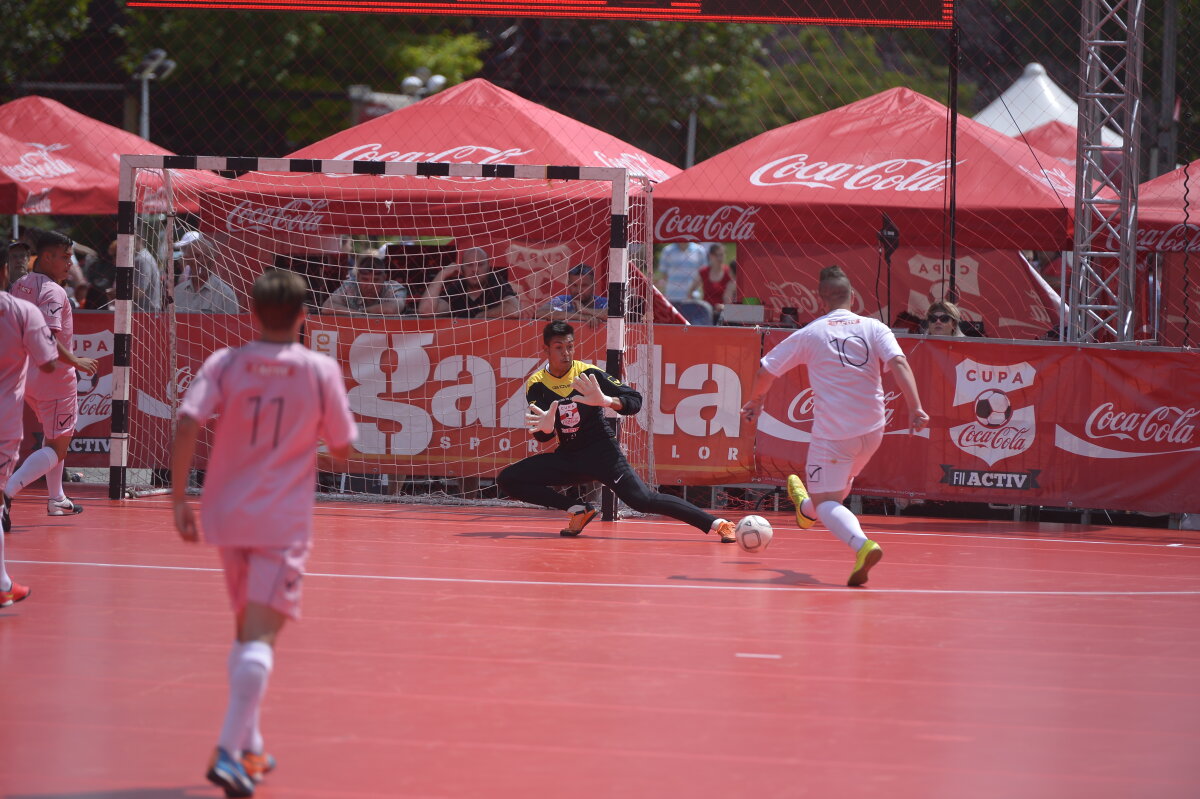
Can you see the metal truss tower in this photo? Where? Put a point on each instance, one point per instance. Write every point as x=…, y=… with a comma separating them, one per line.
x=1101, y=295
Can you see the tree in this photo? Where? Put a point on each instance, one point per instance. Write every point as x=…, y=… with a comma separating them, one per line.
x=36, y=34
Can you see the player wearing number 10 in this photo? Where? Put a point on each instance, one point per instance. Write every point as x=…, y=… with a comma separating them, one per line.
x=845, y=354
x=275, y=399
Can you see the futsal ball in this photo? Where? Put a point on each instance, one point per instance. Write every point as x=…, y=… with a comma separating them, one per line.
x=993, y=408
x=753, y=533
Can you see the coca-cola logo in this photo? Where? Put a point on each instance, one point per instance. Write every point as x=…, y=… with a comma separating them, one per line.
x=1162, y=430
x=635, y=163
x=727, y=223
x=797, y=423
x=1178, y=238
x=294, y=216
x=998, y=428
x=1162, y=425
x=39, y=164
x=38, y=202
x=96, y=404
x=152, y=406
x=459, y=154
x=1055, y=179
x=895, y=174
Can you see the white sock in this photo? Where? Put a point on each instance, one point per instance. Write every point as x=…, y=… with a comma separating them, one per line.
x=808, y=508
x=5, y=581
x=254, y=739
x=842, y=523
x=247, y=686
x=37, y=464
x=54, y=480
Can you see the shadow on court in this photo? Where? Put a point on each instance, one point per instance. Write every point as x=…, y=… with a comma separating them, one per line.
x=785, y=577
x=182, y=792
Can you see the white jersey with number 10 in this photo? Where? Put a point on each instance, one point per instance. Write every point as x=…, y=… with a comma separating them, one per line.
x=845, y=354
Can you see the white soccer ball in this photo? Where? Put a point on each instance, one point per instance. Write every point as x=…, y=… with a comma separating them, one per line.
x=753, y=533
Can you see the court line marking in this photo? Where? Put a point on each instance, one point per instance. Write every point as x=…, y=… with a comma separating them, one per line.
x=672, y=586
x=761, y=656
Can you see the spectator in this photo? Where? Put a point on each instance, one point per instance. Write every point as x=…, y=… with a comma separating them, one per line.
x=369, y=290
x=476, y=293
x=101, y=274
x=580, y=302
x=201, y=290
x=17, y=260
x=716, y=282
x=679, y=265
x=943, y=319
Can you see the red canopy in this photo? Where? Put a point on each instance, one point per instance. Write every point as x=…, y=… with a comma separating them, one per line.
x=1056, y=138
x=474, y=122
x=55, y=160
x=828, y=179
x=1168, y=214
x=539, y=229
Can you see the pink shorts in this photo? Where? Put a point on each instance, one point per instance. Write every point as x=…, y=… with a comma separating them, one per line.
x=9, y=452
x=265, y=576
x=58, y=416
x=833, y=465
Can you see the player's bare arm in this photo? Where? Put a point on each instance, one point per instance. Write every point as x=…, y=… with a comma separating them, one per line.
x=901, y=370
x=184, y=448
x=85, y=365
x=763, y=380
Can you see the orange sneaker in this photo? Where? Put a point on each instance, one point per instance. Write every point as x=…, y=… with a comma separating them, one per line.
x=724, y=528
x=14, y=594
x=258, y=765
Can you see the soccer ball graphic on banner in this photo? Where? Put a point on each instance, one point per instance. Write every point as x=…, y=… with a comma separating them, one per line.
x=753, y=533
x=993, y=408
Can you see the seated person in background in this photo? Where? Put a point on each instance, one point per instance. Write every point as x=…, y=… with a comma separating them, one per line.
x=942, y=319
x=16, y=260
x=470, y=290
x=580, y=302
x=201, y=290
x=369, y=290
x=716, y=281
x=325, y=273
x=101, y=274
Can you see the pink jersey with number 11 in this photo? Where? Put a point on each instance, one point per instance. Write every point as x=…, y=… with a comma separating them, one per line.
x=274, y=402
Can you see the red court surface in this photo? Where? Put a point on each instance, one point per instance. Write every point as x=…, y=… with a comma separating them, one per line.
x=472, y=652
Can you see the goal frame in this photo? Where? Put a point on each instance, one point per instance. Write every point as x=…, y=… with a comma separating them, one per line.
x=127, y=215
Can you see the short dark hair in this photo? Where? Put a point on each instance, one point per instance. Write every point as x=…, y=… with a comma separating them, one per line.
x=581, y=269
x=278, y=298
x=556, y=329
x=52, y=240
x=834, y=285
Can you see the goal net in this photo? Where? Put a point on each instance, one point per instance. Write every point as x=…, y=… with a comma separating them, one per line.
x=430, y=284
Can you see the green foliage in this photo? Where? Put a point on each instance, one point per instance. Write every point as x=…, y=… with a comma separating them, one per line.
x=36, y=34
x=276, y=55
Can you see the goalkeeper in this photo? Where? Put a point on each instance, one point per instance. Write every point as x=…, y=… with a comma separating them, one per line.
x=567, y=398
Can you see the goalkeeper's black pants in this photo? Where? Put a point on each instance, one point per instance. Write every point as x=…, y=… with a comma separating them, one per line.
x=529, y=480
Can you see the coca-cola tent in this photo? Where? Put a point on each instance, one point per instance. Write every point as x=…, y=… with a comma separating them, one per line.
x=474, y=122
x=1055, y=138
x=827, y=179
x=55, y=160
x=815, y=192
x=1168, y=220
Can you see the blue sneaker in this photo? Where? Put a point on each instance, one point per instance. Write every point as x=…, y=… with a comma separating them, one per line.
x=228, y=774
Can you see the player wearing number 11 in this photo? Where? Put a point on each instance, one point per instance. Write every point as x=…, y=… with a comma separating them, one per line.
x=275, y=399
x=845, y=354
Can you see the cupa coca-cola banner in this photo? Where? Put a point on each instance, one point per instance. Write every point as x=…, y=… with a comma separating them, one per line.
x=1027, y=424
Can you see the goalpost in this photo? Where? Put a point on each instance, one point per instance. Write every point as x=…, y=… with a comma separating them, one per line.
x=439, y=401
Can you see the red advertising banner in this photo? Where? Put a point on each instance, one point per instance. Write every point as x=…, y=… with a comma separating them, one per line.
x=1033, y=424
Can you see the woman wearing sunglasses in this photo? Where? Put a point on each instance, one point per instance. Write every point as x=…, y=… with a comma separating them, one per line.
x=942, y=319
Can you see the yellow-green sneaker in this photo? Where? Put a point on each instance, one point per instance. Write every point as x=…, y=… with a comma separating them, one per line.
x=798, y=493
x=870, y=554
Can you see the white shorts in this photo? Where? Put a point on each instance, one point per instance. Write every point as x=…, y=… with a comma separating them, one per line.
x=833, y=465
x=265, y=576
x=57, y=416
